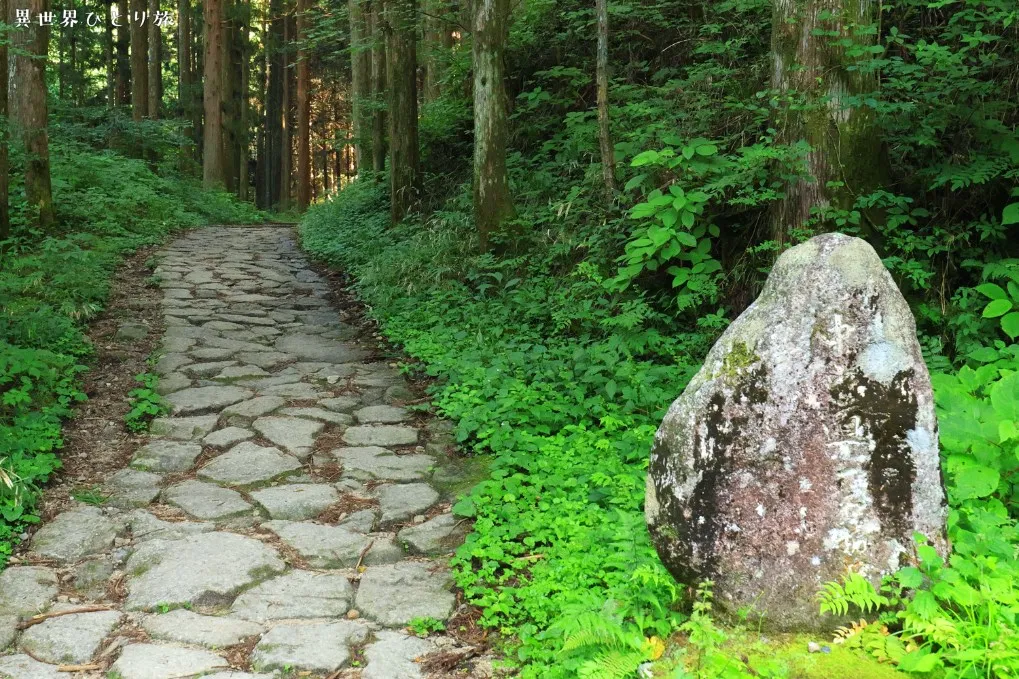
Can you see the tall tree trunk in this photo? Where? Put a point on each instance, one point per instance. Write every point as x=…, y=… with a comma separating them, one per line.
x=285, y=145
x=360, y=78
x=108, y=58
x=231, y=94
x=846, y=158
x=5, y=217
x=608, y=159
x=437, y=41
x=77, y=79
x=274, y=102
x=139, y=64
x=123, y=58
x=242, y=135
x=380, y=122
x=28, y=115
x=492, y=202
x=155, y=75
x=303, y=110
x=213, y=165
x=401, y=20
x=61, y=67
x=185, y=101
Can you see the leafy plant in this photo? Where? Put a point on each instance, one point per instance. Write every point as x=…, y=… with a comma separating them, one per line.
x=146, y=403
x=424, y=627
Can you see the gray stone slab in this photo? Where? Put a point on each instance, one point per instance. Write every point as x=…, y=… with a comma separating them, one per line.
x=74, y=535
x=201, y=399
x=316, y=348
x=372, y=462
x=341, y=404
x=400, y=501
x=129, y=488
x=224, y=438
x=24, y=667
x=69, y=639
x=293, y=434
x=294, y=390
x=382, y=414
x=435, y=536
x=211, y=354
x=322, y=414
x=204, y=569
x=392, y=656
x=207, y=369
x=361, y=522
x=256, y=407
x=247, y=464
x=27, y=590
x=296, y=501
x=166, y=456
x=154, y=661
x=172, y=383
x=240, y=372
x=144, y=527
x=206, y=501
x=321, y=647
x=264, y=359
x=183, y=428
x=324, y=546
x=297, y=594
x=8, y=630
x=396, y=594
x=188, y=627
x=380, y=435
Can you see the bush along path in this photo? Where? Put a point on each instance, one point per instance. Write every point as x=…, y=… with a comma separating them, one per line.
x=285, y=516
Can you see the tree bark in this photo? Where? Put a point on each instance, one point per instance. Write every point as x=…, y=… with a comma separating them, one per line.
x=185, y=86
x=438, y=39
x=139, y=63
x=380, y=121
x=123, y=58
x=274, y=103
x=242, y=134
x=213, y=166
x=231, y=92
x=492, y=202
x=401, y=20
x=285, y=145
x=360, y=78
x=28, y=115
x=608, y=159
x=155, y=74
x=303, y=110
x=5, y=217
x=108, y=58
x=813, y=72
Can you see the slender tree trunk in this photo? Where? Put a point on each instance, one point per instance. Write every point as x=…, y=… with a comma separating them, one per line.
x=285, y=145
x=108, y=57
x=123, y=58
x=303, y=110
x=608, y=159
x=492, y=202
x=213, y=166
x=242, y=140
x=5, y=217
x=401, y=19
x=185, y=101
x=139, y=64
x=360, y=78
x=231, y=93
x=846, y=157
x=155, y=75
x=437, y=41
x=380, y=122
x=28, y=115
x=274, y=102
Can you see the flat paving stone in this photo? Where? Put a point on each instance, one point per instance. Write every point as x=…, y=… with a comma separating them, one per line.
x=205, y=569
x=399, y=501
x=297, y=594
x=206, y=500
x=200, y=399
x=316, y=348
x=321, y=647
x=264, y=359
x=241, y=372
x=154, y=661
x=324, y=546
x=361, y=522
x=183, y=428
x=372, y=462
x=129, y=488
x=74, y=535
x=392, y=656
x=435, y=536
x=382, y=414
x=341, y=404
x=294, y=390
x=27, y=590
x=380, y=435
x=166, y=456
x=256, y=407
x=24, y=667
x=224, y=438
x=188, y=627
x=145, y=527
x=248, y=463
x=322, y=414
x=69, y=639
x=8, y=630
x=207, y=369
x=172, y=382
x=395, y=594
x=296, y=501
x=292, y=434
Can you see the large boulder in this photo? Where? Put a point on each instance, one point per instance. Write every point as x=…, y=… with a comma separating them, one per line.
x=807, y=444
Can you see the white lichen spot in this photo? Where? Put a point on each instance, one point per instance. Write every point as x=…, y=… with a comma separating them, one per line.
x=815, y=561
x=882, y=361
x=792, y=547
x=805, y=486
x=760, y=510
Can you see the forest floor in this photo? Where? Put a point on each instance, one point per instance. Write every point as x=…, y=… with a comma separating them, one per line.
x=290, y=514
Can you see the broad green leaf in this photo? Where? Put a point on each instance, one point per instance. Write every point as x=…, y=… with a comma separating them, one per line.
x=974, y=481
x=1010, y=324
x=992, y=291
x=707, y=150
x=1010, y=215
x=635, y=182
x=686, y=239
x=997, y=307
x=644, y=158
x=983, y=355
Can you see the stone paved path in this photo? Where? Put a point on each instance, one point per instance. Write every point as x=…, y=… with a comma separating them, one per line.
x=281, y=519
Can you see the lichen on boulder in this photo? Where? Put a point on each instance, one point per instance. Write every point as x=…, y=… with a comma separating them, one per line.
x=807, y=444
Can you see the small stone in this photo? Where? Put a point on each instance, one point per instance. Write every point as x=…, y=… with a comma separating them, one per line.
x=188, y=627
x=353, y=614
x=420, y=518
x=295, y=435
x=206, y=500
x=166, y=456
x=404, y=500
x=813, y=647
x=321, y=647
x=151, y=661
x=183, y=428
x=297, y=594
x=424, y=593
x=382, y=414
x=224, y=438
x=198, y=399
x=75, y=534
x=131, y=331
x=296, y=502
x=248, y=463
x=69, y=639
x=380, y=435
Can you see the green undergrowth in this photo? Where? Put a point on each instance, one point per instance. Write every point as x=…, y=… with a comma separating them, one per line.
x=52, y=283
